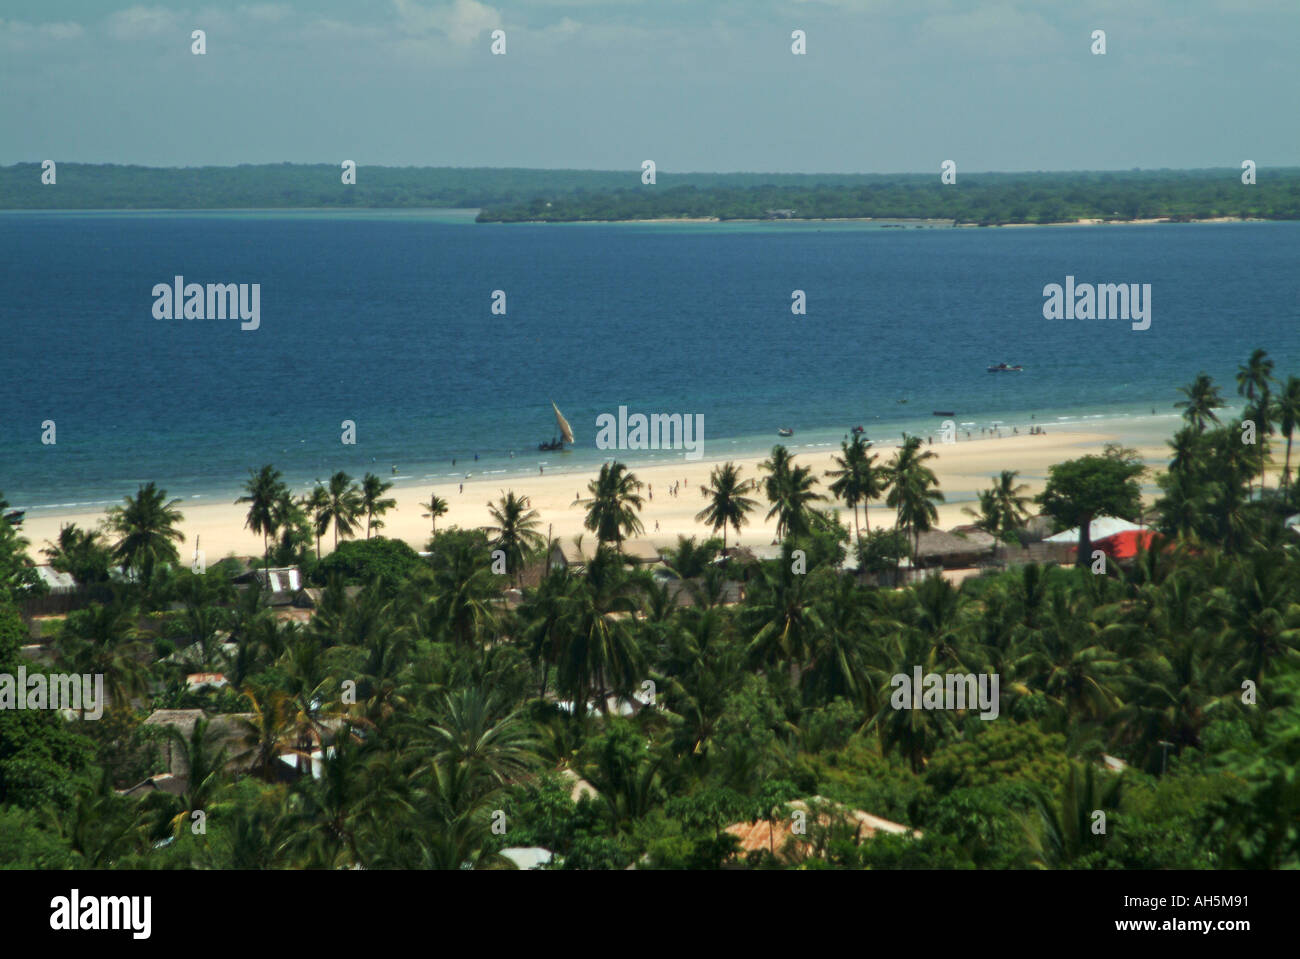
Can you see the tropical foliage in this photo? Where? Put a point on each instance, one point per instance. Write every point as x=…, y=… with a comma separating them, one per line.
x=426, y=716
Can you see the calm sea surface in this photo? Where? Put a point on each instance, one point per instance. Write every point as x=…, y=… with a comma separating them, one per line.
x=385, y=319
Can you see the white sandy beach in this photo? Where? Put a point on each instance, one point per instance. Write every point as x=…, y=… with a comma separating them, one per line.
x=963, y=466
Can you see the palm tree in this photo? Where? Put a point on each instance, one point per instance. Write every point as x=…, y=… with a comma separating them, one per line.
x=287, y=516
x=343, y=507
x=104, y=640
x=1185, y=506
x=1060, y=830
x=79, y=552
x=614, y=503
x=913, y=489
x=1202, y=400
x=473, y=730
x=372, y=502
x=592, y=645
x=1011, y=500
x=437, y=506
x=146, y=528
x=988, y=515
x=728, y=504
x=317, y=506
x=1253, y=381
x=789, y=490
x=264, y=488
x=857, y=480
x=515, y=531
x=266, y=731
x=464, y=592
x=205, y=766
x=1002, y=507
x=1286, y=408
x=783, y=614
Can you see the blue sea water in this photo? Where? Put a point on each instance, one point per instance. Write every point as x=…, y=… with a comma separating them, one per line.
x=385, y=319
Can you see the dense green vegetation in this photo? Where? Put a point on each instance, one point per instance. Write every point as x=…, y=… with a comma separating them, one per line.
x=509, y=195
x=980, y=198
x=442, y=718
x=88, y=186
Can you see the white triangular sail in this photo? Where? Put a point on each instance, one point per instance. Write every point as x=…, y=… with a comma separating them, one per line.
x=560, y=421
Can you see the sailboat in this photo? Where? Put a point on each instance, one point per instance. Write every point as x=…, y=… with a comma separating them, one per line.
x=566, y=433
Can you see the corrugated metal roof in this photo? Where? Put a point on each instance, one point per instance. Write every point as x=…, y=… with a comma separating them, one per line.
x=57, y=582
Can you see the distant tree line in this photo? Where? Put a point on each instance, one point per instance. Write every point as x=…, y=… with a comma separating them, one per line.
x=984, y=199
x=106, y=186
x=513, y=195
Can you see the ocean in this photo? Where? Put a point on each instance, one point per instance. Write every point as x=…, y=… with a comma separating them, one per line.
x=385, y=319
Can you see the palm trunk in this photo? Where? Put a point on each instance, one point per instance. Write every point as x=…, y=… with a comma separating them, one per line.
x=1286, y=470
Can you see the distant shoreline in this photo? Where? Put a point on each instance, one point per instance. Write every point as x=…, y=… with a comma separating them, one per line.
x=918, y=221
x=468, y=212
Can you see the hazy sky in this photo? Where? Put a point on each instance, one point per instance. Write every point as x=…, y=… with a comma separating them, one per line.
x=886, y=85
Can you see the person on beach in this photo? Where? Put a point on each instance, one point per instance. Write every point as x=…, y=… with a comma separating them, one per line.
x=462, y=487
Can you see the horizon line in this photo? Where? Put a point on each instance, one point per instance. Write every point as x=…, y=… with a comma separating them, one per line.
x=636, y=169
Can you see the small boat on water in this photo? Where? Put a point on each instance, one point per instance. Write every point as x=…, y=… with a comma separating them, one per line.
x=858, y=430
x=785, y=431
x=942, y=413
x=557, y=442
x=1003, y=368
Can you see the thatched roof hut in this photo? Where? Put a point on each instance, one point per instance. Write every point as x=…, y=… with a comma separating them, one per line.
x=937, y=548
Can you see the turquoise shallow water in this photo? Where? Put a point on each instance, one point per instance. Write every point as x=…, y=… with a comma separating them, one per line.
x=385, y=319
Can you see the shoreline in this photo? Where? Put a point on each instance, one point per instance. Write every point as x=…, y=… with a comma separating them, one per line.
x=942, y=222
x=1132, y=427
x=963, y=468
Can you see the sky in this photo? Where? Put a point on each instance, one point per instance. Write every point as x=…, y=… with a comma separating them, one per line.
x=886, y=86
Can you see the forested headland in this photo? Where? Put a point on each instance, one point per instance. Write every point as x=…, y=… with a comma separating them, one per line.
x=106, y=186
x=518, y=195
x=985, y=199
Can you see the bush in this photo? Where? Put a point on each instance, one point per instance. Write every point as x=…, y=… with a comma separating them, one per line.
x=357, y=562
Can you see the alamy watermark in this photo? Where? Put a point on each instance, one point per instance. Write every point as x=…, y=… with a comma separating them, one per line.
x=924, y=690
x=217, y=301
x=75, y=912
x=82, y=693
x=658, y=431
x=1105, y=301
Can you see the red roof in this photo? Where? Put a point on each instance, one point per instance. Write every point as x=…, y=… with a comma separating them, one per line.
x=1126, y=545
